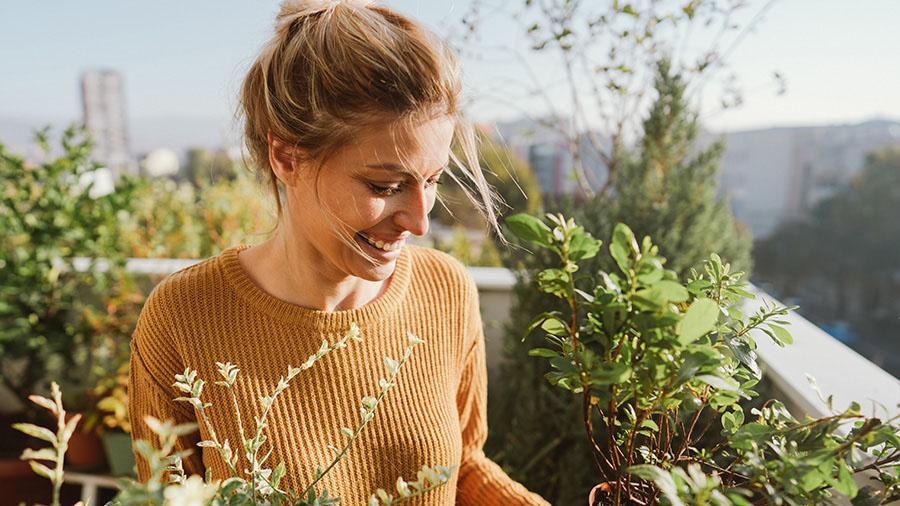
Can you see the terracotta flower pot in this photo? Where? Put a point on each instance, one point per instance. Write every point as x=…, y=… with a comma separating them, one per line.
x=599, y=495
x=85, y=451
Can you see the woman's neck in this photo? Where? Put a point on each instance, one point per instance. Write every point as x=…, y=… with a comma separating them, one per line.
x=285, y=271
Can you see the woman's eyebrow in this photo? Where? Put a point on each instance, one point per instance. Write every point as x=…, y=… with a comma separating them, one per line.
x=389, y=166
x=393, y=167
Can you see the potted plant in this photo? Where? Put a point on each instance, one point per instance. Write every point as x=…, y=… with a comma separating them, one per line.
x=661, y=365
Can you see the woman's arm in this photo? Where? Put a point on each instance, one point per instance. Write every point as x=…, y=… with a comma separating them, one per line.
x=481, y=481
x=154, y=363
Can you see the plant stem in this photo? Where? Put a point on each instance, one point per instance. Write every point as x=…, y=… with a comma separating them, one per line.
x=687, y=435
x=343, y=452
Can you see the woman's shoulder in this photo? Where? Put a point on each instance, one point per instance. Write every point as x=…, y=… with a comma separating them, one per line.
x=189, y=287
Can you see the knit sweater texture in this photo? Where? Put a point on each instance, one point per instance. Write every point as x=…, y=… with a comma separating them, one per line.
x=436, y=415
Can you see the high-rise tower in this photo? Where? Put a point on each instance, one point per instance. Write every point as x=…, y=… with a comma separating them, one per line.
x=104, y=116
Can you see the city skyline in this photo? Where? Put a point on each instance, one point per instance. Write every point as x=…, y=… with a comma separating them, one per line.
x=185, y=61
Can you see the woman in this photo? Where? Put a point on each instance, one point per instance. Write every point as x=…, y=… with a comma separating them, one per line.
x=349, y=115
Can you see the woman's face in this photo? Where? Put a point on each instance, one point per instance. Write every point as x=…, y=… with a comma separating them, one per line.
x=378, y=189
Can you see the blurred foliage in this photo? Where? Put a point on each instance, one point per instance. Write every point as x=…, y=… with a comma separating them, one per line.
x=851, y=235
x=667, y=190
x=171, y=219
x=468, y=239
x=74, y=325
x=47, y=218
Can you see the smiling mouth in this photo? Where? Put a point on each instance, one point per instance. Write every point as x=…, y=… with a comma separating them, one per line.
x=384, y=246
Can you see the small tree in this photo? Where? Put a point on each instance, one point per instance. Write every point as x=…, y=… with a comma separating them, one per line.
x=666, y=189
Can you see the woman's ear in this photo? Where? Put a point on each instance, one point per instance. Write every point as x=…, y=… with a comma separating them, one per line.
x=283, y=161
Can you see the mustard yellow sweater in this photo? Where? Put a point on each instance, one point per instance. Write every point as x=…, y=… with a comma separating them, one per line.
x=212, y=312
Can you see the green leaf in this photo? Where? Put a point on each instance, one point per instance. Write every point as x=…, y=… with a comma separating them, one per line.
x=737, y=499
x=536, y=322
x=556, y=327
x=70, y=427
x=36, y=431
x=845, y=483
x=583, y=246
x=530, y=229
x=783, y=335
x=727, y=384
x=623, y=243
x=699, y=319
x=650, y=299
x=741, y=350
x=41, y=469
x=749, y=434
x=543, y=352
x=42, y=454
x=672, y=290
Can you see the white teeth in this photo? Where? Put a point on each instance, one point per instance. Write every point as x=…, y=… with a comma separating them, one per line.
x=386, y=246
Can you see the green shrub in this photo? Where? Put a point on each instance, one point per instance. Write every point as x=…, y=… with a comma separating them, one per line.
x=47, y=218
x=656, y=363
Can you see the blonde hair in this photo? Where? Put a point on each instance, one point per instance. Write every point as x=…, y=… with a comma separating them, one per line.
x=334, y=69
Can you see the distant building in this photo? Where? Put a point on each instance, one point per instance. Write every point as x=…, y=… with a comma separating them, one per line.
x=550, y=157
x=103, y=102
x=778, y=175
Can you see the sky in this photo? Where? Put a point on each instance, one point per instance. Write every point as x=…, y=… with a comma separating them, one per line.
x=185, y=59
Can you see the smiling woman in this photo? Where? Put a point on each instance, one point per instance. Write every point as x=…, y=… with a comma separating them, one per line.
x=350, y=112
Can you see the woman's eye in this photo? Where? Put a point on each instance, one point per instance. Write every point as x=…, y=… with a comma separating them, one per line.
x=387, y=191
x=384, y=191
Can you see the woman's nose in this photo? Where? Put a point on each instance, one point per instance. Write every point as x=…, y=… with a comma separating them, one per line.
x=413, y=213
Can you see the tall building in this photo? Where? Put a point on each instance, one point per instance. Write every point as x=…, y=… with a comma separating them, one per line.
x=103, y=101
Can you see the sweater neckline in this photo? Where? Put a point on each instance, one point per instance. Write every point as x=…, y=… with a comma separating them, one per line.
x=384, y=305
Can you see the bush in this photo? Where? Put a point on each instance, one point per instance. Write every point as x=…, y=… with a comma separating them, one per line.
x=656, y=364
x=48, y=216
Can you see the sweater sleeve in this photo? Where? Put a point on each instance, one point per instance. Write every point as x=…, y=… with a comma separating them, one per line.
x=481, y=481
x=154, y=363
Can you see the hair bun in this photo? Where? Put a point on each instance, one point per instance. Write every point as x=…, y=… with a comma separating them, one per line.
x=291, y=10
